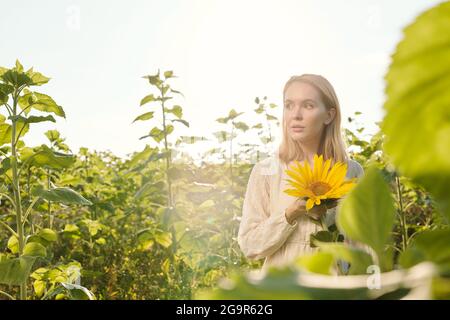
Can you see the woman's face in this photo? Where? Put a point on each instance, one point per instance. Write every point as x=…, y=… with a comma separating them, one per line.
x=304, y=112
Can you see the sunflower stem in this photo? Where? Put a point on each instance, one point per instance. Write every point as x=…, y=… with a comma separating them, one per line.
x=323, y=223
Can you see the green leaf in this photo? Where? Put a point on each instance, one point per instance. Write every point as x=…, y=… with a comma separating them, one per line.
x=13, y=244
x=93, y=226
x=148, y=188
x=143, y=155
x=241, y=126
x=33, y=119
x=367, y=214
x=38, y=78
x=5, y=91
x=71, y=231
x=147, y=99
x=53, y=135
x=16, y=78
x=431, y=246
x=157, y=134
x=163, y=238
x=62, y=195
x=16, y=271
x=175, y=91
x=233, y=114
x=48, y=234
x=418, y=103
x=176, y=110
x=358, y=259
x=260, y=109
x=46, y=157
x=322, y=236
x=6, y=132
x=77, y=292
x=182, y=121
x=19, y=66
x=145, y=116
x=39, y=287
x=222, y=120
x=35, y=249
x=319, y=262
x=168, y=74
x=41, y=102
x=154, y=79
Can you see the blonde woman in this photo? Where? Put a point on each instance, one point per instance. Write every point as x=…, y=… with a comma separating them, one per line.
x=274, y=225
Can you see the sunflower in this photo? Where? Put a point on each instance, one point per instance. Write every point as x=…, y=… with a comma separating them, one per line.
x=319, y=183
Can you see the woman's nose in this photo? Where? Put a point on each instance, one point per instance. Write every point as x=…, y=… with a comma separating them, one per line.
x=298, y=112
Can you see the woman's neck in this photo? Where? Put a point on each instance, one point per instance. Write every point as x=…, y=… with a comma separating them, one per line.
x=310, y=148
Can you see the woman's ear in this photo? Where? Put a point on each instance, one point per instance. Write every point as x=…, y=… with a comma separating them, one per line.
x=331, y=113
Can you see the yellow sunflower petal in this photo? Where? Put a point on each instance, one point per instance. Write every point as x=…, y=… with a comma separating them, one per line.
x=335, y=172
x=318, y=164
x=308, y=171
x=294, y=174
x=293, y=192
x=309, y=204
x=342, y=189
x=295, y=184
x=339, y=176
x=326, y=168
x=305, y=174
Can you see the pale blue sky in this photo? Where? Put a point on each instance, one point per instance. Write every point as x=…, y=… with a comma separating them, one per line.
x=225, y=53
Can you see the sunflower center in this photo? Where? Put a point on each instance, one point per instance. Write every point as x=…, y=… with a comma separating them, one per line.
x=319, y=188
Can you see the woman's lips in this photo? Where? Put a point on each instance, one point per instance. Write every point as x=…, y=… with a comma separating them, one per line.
x=297, y=129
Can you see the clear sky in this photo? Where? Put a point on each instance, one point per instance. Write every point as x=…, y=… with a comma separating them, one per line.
x=225, y=53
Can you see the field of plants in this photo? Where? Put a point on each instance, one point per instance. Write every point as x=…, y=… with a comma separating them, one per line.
x=159, y=225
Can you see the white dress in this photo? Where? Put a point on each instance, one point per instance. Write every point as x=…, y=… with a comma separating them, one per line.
x=264, y=231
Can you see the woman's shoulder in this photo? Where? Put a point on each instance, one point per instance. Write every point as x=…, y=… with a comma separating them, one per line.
x=355, y=169
x=268, y=166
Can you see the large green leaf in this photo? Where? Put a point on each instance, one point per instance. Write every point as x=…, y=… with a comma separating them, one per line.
x=33, y=119
x=417, y=122
x=34, y=249
x=367, y=214
x=6, y=131
x=433, y=245
x=41, y=102
x=62, y=195
x=46, y=157
x=357, y=258
x=319, y=262
x=48, y=234
x=16, y=271
x=287, y=283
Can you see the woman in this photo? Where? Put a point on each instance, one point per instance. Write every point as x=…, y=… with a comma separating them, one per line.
x=274, y=225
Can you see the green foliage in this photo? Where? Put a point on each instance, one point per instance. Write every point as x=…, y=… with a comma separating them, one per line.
x=417, y=102
x=367, y=215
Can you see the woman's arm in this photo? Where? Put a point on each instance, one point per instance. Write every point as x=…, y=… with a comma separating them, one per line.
x=260, y=233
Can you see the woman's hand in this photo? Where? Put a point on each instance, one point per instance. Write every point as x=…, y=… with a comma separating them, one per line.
x=295, y=210
x=317, y=211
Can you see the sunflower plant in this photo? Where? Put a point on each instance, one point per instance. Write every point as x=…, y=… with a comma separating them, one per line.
x=321, y=187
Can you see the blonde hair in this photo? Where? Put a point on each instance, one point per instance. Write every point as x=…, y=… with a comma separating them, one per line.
x=331, y=143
